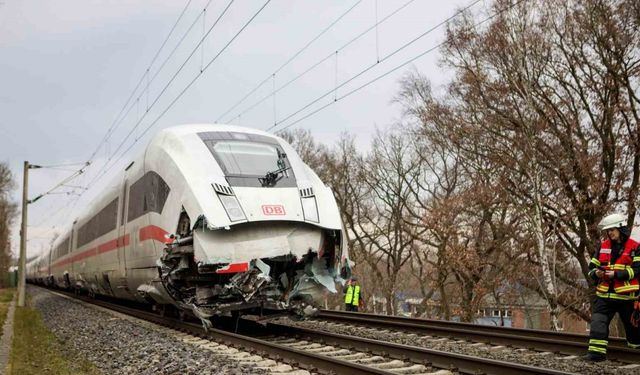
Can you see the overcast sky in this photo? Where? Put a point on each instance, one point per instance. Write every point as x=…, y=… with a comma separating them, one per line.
x=67, y=69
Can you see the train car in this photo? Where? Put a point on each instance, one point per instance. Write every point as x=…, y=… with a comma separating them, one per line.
x=210, y=218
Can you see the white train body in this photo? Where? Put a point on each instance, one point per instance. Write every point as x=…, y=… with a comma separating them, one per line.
x=244, y=239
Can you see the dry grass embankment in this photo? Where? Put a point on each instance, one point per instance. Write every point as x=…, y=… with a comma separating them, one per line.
x=6, y=295
x=37, y=351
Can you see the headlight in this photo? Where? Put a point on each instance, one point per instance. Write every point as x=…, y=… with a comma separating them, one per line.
x=310, y=209
x=232, y=206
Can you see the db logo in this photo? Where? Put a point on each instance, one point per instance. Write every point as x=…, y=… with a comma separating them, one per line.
x=270, y=209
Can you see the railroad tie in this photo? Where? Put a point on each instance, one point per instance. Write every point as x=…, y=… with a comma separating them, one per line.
x=351, y=356
x=370, y=360
x=392, y=364
x=411, y=369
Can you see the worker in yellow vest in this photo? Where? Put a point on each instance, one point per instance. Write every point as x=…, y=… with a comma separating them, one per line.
x=352, y=295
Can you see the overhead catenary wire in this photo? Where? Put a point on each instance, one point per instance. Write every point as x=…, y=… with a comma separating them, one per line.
x=122, y=114
x=61, y=183
x=187, y=87
x=104, y=169
x=136, y=103
x=386, y=57
x=313, y=66
x=153, y=60
x=73, y=201
x=382, y=75
x=54, y=213
x=290, y=59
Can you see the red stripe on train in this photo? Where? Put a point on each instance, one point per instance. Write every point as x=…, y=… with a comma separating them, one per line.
x=150, y=232
x=234, y=268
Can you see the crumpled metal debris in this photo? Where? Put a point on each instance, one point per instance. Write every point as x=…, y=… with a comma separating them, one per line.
x=248, y=283
x=203, y=316
x=312, y=281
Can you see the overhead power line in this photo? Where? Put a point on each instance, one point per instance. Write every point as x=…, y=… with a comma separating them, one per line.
x=72, y=202
x=183, y=90
x=145, y=74
x=61, y=183
x=290, y=59
x=135, y=103
x=365, y=70
x=104, y=168
x=332, y=54
x=378, y=77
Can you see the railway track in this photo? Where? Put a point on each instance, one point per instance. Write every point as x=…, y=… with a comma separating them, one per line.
x=403, y=357
x=538, y=340
x=322, y=352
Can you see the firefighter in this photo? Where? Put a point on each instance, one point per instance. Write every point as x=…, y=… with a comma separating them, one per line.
x=615, y=268
x=352, y=295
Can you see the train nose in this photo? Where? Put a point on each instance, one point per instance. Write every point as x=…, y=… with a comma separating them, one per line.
x=270, y=204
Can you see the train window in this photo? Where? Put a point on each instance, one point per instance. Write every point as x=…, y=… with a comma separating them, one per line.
x=246, y=158
x=102, y=223
x=62, y=249
x=148, y=194
x=244, y=163
x=218, y=136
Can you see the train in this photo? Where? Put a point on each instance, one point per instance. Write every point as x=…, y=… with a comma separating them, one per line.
x=210, y=219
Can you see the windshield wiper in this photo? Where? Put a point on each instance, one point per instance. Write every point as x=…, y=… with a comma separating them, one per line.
x=271, y=178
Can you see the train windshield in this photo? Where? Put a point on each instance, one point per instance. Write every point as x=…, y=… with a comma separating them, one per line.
x=246, y=158
x=250, y=159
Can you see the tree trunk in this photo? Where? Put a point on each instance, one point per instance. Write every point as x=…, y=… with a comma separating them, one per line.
x=467, y=303
x=548, y=282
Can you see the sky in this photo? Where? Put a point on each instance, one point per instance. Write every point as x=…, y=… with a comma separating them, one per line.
x=74, y=71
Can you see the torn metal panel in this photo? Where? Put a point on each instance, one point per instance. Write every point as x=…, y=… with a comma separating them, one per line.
x=153, y=293
x=248, y=283
x=322, y=274
x=263, y=267
x=252, y=241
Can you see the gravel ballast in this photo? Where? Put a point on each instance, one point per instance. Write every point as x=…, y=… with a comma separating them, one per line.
x=120, y=346
x=549, y=360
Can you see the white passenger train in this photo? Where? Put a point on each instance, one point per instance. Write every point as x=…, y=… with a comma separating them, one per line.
x=210, y=218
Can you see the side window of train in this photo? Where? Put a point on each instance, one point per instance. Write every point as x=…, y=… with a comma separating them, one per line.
x=102, y=223
x=148, y=194
x=62, y=249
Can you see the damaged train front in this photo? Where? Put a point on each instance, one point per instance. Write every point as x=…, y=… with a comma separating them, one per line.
x=254, y=268
x=270, y=241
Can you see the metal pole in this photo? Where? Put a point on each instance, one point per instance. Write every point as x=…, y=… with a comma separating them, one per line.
x=23, y=239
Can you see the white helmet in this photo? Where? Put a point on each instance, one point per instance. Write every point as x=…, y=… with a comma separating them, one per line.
x=612, y=221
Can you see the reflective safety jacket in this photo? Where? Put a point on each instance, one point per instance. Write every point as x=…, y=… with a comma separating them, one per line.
x=352, y=297
x=624, y=285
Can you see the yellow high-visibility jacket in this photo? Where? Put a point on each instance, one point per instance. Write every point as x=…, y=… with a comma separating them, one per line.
x=352, y=297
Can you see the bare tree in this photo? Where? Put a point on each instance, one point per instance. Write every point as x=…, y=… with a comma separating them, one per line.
x=545, y=95
x=381, y=229
x=7, y=215
x=313, y=153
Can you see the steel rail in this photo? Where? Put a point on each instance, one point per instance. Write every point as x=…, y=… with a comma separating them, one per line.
x=294, y=357
x=558, y=342
x=461, y=363
x=317, y=362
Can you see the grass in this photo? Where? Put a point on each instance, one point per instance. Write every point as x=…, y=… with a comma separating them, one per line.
x=6, y=295
x=37, y=351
